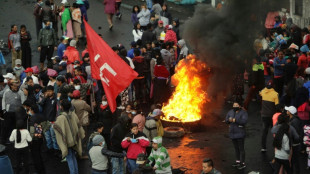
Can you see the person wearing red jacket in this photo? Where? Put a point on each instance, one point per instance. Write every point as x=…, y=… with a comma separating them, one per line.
x=161, y=85
x=72, y=53
x=135, y=142
x=170, y=35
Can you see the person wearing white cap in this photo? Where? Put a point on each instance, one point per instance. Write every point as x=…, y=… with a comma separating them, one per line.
x=18, y=69
x=296, y=123
x=72, y=53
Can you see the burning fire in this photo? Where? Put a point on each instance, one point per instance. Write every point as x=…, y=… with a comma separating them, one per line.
x=187, y=101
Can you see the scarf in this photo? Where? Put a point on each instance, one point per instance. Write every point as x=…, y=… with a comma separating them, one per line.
x=9, y=43
x=103, y=107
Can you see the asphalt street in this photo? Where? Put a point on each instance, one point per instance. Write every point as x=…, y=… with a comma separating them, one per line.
x=212, y=142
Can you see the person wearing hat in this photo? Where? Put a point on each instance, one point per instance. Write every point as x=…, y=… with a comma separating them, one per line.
x=130, y=54
x=72, y=53
x=47, y=41
x=143, y=166
x=5, y=162
x=296, y=148
x=18, y=69
x=62, y=46
x=99, y=155
x=29, y=73
x=160, y=157
x=170, y=35
x=159, y=29
x=150, y=127
x=11, y=101
x=303, y=60
x=270, y=100
x=62, y=68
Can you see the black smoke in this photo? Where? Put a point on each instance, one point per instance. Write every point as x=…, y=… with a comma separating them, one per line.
x=224, y=38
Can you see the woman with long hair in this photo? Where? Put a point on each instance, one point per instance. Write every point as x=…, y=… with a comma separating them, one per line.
x=137, y=32
x=25, y=38
x=134, y=13
x=282, y=146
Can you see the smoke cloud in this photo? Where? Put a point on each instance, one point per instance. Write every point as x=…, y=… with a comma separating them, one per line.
x=224, y=38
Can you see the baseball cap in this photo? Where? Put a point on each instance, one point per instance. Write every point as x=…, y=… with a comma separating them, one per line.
x=291, y=109
x=160, y=22
x=9, y=76
x=18, y=62
x=28, y=70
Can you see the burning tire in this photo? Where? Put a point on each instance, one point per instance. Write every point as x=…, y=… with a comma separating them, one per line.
x=173, y=132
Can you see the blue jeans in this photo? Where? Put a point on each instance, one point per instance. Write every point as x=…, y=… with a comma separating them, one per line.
x=117, y=165
x=50, y=137
x=131, y=165
x=95, y=172
x=72, y=163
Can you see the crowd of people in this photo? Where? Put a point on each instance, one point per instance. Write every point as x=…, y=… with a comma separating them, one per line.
x=57, y=104
x=279, y=79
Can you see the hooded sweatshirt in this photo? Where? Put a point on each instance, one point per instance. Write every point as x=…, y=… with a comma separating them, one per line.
x=270, y=99
x=184, y=49
x=167, y=57
x=160, y=157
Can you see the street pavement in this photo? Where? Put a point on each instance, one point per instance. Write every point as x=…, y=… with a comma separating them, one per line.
x=189, y=151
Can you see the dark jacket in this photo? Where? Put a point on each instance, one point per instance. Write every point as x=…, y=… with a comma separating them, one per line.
x=47, y=13
x=167, y=15
x=47, y=37
x=143, y=169
x=148, y=36
x=237, y=128
x=213, y=171
x=139, y=65
x=106, y=117
x=118, y=133
x=49, y=108
x=289, y=72
x=176, y=28
x=296, y=123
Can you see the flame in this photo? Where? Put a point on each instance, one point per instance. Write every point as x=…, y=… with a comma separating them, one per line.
x=188, y=99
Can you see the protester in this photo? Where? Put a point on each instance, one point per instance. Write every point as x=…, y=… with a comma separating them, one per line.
x=66, y=21
x=14, y=44
x=47, y=41
x=134, y=14
x=76, y=21
x=135, y=143
x=38, y=18
x=208, y=167
x=109, y=9
x=160, y=157
x=237, y=119
x=25, y=38
x=144, y=17
x=69, y=135
x=21, y=137
x=270, y=100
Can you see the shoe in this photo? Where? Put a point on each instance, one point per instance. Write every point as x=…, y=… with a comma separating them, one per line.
x=236, y=164
x=241, y=166
x=64, y=160
x=120, y=16
x=263, y=150
x=110, y=28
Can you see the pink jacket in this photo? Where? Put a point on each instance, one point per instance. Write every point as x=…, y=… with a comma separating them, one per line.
x=140, y=120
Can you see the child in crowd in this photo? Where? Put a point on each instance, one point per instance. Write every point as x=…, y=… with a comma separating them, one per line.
x=159, y=157
x=21, y=137
x=136, y=143
x=98, y=130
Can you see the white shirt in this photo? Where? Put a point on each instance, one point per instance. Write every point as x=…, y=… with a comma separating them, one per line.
x=34, y=78
x=137, y=35
x=130, y=62
x=25, y=138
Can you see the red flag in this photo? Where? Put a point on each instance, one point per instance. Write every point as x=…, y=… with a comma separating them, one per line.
x=108, y=67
